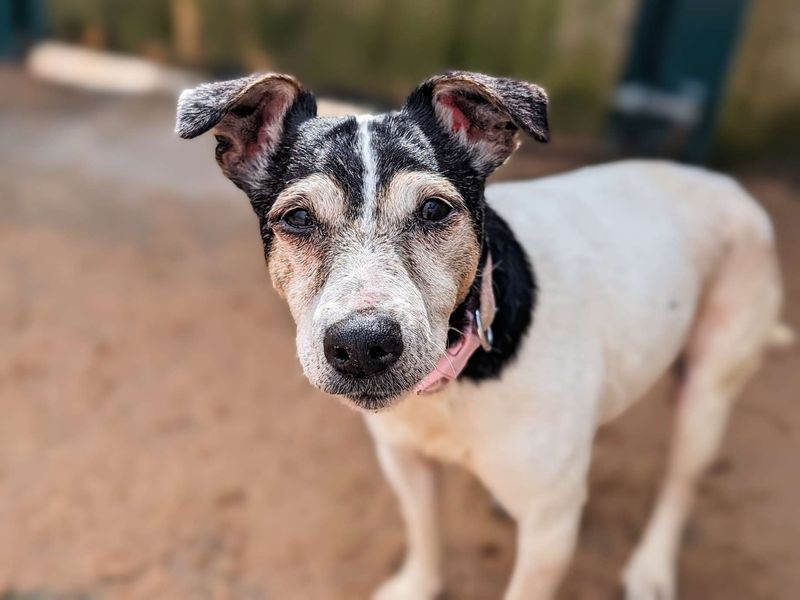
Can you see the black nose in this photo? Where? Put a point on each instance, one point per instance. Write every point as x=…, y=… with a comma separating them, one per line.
x=363, y=345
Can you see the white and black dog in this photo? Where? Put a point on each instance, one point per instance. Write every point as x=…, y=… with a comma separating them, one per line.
x=498, y=328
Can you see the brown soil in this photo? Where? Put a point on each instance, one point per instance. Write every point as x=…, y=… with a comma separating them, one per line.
x=158, y=440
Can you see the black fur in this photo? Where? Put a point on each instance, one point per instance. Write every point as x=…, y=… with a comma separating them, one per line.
x=514, y=285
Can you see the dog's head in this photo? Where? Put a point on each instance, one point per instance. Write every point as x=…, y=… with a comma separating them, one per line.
x=372, y=226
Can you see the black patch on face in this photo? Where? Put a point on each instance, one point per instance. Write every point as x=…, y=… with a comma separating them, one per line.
x=320, y=145
x=398, y=145
x=399, y=141
x=332, y=147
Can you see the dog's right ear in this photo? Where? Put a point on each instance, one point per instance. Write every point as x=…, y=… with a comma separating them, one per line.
x=249, y=117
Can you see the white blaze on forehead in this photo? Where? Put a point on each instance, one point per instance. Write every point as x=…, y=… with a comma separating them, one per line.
x=370, y=160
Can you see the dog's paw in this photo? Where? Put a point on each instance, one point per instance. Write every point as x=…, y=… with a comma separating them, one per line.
x=407, y=585
x=648, y=578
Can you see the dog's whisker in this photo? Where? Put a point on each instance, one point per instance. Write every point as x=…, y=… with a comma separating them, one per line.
x=446, y=355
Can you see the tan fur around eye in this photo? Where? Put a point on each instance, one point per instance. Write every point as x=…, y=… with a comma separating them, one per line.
x=408, y=188
x=296, y=271
x=453, y=257
x=318, y=193
x=295, y=268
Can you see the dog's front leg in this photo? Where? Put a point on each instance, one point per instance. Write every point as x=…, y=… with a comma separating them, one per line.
x=546, y=537
x=545, y=542
x=413, y=479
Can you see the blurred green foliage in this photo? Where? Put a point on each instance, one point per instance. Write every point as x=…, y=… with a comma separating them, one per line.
x=379, y=49
x=373, y=49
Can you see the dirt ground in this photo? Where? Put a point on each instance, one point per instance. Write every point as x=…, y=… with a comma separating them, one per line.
x=158, y=440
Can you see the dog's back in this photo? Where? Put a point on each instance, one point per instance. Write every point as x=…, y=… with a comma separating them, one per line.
x=626, y=254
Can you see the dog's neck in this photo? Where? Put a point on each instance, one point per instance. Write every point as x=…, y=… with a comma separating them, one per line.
x=514, y=287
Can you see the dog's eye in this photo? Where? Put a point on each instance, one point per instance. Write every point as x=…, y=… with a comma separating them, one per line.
x=434, y=209
x=298, y=219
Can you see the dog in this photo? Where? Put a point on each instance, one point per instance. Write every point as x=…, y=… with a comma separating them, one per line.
x=497, y=327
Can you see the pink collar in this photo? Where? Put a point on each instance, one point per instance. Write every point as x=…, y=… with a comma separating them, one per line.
x=477, y=334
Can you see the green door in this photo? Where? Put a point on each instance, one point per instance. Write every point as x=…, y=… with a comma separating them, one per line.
x=667, y=100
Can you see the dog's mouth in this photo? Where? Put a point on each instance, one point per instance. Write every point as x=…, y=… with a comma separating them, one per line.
x=373, y=393
x=368, y=395
x=372, y=402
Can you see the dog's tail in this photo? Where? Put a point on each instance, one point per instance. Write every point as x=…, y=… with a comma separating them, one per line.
x=781, y=337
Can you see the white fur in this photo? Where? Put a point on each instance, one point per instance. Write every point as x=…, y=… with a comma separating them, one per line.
x=370, y=169
x=636, y=262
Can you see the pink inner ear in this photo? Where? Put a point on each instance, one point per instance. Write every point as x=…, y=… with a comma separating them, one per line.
x=270, y=109
x=459, y=119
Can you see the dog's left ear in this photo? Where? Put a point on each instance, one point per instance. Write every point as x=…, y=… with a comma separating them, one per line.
x=482, y=114
x=249, y=117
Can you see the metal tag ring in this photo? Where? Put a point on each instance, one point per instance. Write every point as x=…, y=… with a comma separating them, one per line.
x=484, y=335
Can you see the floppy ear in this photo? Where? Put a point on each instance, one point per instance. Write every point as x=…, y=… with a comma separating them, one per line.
x=249, y=117
x=482, y=114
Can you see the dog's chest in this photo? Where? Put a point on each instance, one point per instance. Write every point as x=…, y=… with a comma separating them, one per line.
x=434, y=425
